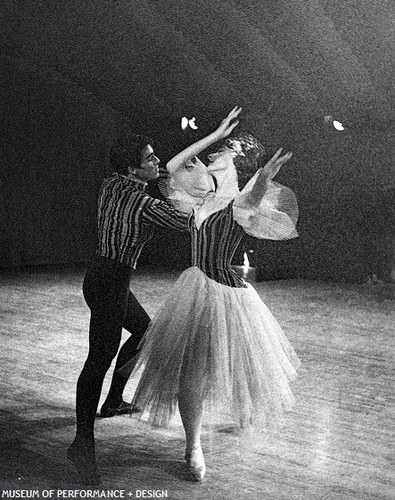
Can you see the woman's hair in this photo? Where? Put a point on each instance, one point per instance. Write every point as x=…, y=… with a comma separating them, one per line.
x=126, y=152
x=249, y=152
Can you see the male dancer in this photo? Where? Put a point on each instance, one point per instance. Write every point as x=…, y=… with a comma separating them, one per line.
x=127, y=217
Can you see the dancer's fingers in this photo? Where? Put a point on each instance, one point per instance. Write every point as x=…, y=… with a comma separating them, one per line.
x=276, y=155
x=285, y=158
x=235, y=112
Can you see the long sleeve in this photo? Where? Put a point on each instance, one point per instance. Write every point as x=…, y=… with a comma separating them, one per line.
x=127, y=218
x=162, y=214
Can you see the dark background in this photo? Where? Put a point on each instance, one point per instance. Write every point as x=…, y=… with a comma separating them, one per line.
x=74, y=74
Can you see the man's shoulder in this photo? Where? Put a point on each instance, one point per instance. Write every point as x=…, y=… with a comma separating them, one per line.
x=109, y=181
x=119, y=184
x=144, y=198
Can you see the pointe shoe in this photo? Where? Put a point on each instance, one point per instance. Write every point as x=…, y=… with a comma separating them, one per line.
x=195, y=462
x=85, y=464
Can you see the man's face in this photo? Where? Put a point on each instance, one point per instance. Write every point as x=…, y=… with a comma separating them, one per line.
x=149, y=166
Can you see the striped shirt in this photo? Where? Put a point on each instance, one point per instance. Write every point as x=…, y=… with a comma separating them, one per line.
x=127, y=217
x=214, y=244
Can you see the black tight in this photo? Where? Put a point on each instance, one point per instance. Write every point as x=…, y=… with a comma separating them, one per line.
x=113, y=307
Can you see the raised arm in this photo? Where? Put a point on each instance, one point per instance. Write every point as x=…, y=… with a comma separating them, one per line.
x=265, y=175
x=225, y=128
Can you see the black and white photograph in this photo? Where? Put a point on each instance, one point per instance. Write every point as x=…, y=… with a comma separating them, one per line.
x=197, y=249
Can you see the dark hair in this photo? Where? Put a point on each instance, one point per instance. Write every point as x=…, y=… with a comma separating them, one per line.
x=126, y=152
x=250, y=158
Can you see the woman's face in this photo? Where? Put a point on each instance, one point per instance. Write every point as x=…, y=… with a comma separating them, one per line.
x=195, y=179
x=219, y=160
x=218, y=154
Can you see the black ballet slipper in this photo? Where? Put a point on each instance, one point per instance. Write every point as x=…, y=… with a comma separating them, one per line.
x=122, y=409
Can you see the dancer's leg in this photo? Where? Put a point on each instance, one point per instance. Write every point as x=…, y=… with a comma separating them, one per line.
x=191, y=410
x=106, y=296
x=190, y=403
x=136, y=322
x=104, y=343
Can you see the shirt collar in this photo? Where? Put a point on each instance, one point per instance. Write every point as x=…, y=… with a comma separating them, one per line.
x=132, y=181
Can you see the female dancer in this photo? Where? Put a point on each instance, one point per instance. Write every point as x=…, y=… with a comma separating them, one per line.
x=214, y=345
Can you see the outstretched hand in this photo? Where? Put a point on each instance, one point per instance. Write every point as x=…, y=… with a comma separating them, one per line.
x=229, y=123
x=266, y=173
x=273, y=166
x=225, y=128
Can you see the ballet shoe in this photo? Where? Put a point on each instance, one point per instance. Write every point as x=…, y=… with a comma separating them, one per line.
x=195, y=462
x=84, y=462
x=121, y=409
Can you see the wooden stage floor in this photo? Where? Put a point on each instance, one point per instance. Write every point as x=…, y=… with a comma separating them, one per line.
x=338, y=442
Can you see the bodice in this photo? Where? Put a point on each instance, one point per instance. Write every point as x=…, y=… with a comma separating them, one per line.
x=214, y=244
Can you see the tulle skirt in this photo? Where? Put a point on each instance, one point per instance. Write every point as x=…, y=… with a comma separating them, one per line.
x=219, y=342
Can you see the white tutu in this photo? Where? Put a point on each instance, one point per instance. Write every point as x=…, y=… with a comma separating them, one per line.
x=224, y=338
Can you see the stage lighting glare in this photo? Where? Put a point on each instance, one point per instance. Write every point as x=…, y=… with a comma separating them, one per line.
x=192, y=123
x=337, y=125
x=188, y=122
